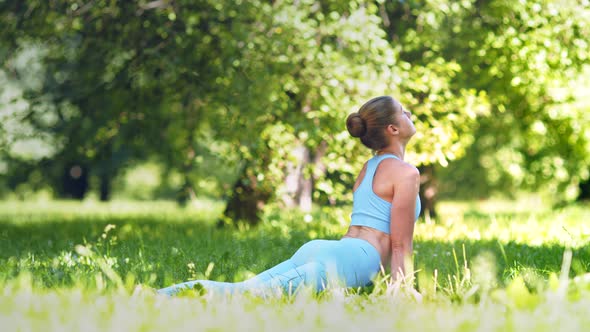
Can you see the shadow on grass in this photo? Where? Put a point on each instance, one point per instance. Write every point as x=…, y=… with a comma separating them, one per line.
x=159, y=253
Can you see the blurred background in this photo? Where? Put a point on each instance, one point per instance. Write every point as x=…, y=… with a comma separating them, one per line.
x=244, y=102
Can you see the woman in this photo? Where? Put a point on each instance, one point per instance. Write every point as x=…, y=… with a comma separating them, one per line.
x=385, y=206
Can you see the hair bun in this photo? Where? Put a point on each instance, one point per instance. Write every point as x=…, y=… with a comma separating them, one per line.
x=356, y=125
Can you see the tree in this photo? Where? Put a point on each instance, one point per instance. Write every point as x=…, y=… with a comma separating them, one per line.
x=123, y=81
x=325, y=60
x=256, y=93
x=527, y=57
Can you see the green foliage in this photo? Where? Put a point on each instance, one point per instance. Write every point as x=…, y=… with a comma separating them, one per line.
x=221, y=91
x=529, y=58
x=323, y=64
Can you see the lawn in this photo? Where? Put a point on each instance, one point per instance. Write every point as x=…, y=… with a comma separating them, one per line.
x=490, y=265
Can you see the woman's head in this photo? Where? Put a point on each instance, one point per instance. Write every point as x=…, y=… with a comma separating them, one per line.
x=373, y=119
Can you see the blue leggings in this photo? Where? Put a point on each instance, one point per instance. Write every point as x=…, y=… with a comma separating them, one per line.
x=348, y=262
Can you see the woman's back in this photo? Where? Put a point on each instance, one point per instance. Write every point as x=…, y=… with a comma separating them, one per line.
x=373, y=193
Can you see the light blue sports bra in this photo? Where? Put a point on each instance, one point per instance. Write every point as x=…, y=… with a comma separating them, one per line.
x=370, y=210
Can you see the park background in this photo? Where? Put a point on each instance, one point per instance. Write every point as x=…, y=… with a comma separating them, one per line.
x=139, y=137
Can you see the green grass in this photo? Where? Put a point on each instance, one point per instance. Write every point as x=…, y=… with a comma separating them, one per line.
x=499, y=266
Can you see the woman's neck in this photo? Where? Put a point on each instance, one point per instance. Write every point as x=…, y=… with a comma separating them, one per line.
x=398, y=151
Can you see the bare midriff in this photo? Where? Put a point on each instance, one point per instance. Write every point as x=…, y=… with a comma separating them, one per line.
x=378, y=239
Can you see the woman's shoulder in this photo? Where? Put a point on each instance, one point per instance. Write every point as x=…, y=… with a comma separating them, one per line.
x=399, y=167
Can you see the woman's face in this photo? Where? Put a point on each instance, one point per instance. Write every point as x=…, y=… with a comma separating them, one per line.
x=404, y=121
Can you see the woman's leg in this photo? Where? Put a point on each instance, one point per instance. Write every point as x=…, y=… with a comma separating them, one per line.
x=288, y=277
x=283, y=275
x=357, y=261
x=348, y=262
x=215, y=286
x=318, y=264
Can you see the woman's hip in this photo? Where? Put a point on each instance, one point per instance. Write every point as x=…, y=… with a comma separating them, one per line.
x=345, y=253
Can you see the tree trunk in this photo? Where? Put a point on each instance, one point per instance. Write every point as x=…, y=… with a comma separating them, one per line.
x=298, y=186
x=106, y=164
x=428, y=192
x=186, y=192
x=294, y=177
x=305, y=194
x=246, y=200
x=192, y=108
x=105, y=186
x=319, y=169
x=584, y=190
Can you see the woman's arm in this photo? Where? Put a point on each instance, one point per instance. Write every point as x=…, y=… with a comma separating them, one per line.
x=406, y=188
